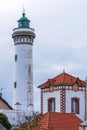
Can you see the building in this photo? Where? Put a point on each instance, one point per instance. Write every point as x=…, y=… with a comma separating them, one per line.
x=3, y=104
x=59, y=121
x=23, y=37
x=23, y=105
x=61, y=97
x=64, y=93
x=83, y=125
x=53, y=121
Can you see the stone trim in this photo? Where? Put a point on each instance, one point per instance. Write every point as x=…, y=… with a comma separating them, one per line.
x=57, y=88
x=63, y=100
x=41, y=102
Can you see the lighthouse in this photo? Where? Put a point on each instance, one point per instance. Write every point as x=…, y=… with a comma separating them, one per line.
x=23, y=38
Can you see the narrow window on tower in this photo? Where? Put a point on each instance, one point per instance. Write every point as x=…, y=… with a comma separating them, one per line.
x=15, y=84
x=27, y=40
x=23, y=39
x=75, y=105
x=51, y=105
x=16, y=57
x=14, y=39
x=20, y=39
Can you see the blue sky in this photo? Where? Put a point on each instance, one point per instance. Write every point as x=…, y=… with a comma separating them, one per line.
x=61, y=40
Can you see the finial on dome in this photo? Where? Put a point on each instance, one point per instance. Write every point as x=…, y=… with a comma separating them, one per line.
x=63, y=70
x=23, y=11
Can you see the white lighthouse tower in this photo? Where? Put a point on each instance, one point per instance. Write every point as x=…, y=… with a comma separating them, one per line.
x=23, y=37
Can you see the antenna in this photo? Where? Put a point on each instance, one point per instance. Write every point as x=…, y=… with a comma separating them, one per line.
x=1, y=89
x=86, y=79
x=23, y=9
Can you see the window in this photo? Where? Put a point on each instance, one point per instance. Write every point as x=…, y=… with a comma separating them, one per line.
x=20, y=39
x=27, y=39
x=75, y=105
x=15, y=84
x=51, y=104
x=23, y=39
x=84, y=128
x=22, y=24
x=16, y=57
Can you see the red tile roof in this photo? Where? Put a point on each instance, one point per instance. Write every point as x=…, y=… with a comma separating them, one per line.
x=59, y=121
x=63, y=79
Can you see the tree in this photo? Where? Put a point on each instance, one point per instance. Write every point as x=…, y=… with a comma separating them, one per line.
x=4, y=121
x=32, y=122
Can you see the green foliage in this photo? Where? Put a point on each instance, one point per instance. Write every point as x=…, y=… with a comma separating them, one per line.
x=4, y=121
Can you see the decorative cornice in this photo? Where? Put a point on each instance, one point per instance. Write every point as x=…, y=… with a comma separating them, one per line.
x=57, y=88
x=25, y=43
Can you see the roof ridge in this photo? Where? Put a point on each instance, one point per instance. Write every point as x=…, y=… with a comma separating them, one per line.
x=62, y=79
x=64, y=74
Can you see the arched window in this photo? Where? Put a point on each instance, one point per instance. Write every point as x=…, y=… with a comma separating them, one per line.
x=51, y=105
x=75, y=105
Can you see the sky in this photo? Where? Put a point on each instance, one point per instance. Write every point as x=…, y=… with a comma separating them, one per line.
x=60, y=43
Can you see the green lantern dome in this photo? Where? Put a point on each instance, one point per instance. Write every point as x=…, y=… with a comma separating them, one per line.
x=23, y=22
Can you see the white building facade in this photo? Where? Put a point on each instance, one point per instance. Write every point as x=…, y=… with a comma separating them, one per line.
x=64, y=93
x=23, y=37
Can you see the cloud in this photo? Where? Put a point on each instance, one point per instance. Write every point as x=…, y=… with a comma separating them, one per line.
x=61, y=39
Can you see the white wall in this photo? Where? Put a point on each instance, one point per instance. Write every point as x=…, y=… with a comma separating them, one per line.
x=81, y=96
x=69, y=94
x=23, y=92
x=54, y=94
x=22, y=77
